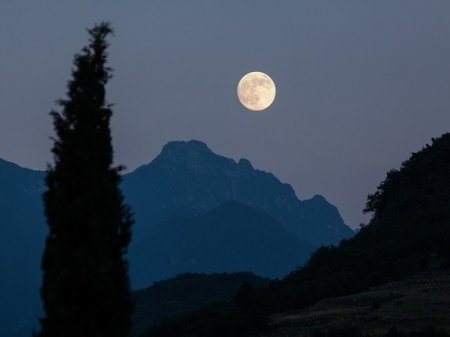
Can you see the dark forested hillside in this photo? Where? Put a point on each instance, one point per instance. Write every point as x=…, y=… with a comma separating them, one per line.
x=185, y=293
x=409, y=232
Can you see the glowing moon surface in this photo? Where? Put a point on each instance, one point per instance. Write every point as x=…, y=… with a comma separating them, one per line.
x=256, y=91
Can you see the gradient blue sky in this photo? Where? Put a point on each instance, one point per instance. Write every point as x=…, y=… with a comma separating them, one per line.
x=361, y=83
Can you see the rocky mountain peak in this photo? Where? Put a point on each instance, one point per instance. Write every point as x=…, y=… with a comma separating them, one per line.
x=178, y=148
x=245, y=164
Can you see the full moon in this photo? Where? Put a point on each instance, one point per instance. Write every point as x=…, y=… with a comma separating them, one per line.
x=256, y=91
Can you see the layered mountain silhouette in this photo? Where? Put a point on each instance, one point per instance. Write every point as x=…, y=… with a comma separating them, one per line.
x=195, y=211
x=393, y=274
x=232, y=237
x=187, y=179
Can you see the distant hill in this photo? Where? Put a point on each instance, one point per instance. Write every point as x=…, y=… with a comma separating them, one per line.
x=232, y=237
x=185, y=293
x=22, y=237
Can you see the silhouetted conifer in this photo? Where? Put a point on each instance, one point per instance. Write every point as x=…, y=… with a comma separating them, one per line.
x=85, y=289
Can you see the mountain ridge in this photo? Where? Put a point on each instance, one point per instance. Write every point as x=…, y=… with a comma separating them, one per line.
x=192, y=179
x=164, y=178
x=406, y=239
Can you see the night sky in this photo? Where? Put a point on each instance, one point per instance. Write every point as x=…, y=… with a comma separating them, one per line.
x=360, y=84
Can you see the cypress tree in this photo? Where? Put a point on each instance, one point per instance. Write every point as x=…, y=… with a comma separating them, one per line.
x=85, y=290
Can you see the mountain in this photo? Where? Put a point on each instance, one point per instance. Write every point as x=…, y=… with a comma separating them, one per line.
x=232, y=237
x=188, y=178
x=404, y=250
x=22, y=236
x=184, y=293
x=186, y=188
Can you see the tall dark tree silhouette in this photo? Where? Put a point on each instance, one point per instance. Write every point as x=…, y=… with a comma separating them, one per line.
x=85, y=289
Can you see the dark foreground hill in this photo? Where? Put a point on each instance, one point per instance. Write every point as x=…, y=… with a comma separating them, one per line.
x=408, y=235
x=186, y=293
x=413, y=307
x=413, y=304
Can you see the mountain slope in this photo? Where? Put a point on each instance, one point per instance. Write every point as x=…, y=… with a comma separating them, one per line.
x=407, y=237
x=415, y=306
x=412, y=304
x=22, y=235
x=187, y=178
x=409, y=232
x=230, y=238
x=184, y=293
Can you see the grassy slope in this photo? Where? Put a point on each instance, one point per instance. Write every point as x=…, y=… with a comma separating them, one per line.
x=421, y=301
